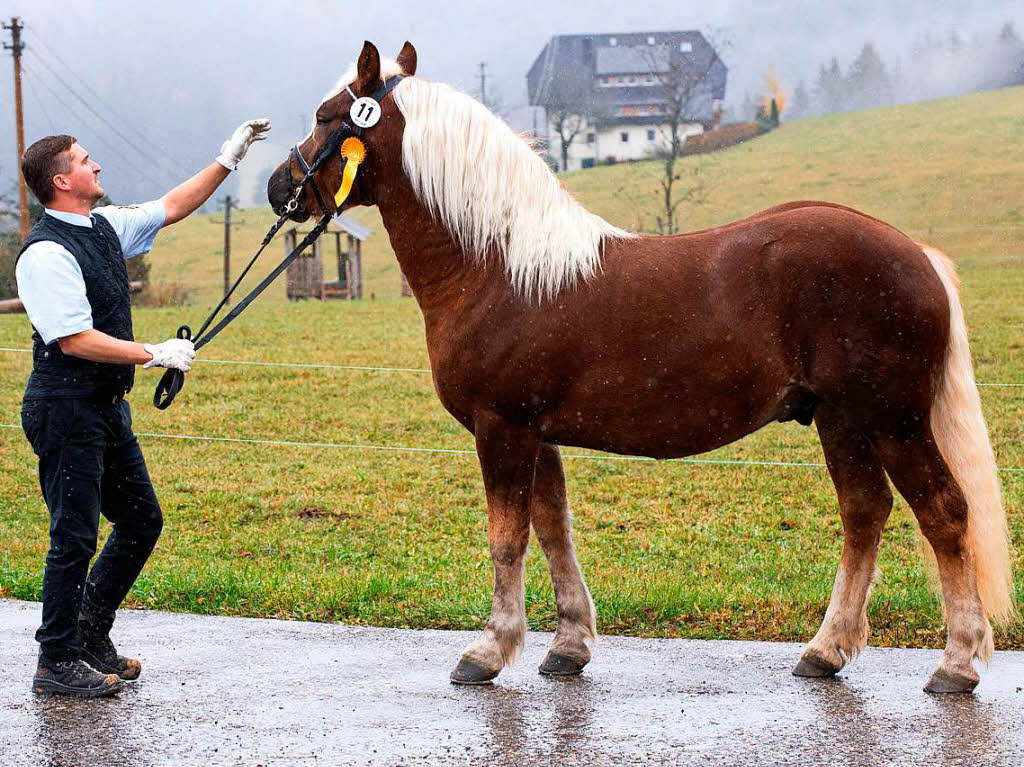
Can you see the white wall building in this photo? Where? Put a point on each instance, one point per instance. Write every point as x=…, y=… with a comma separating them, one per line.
x=617, y=141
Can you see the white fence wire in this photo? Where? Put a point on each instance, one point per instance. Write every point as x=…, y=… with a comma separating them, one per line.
x=387, y=369
x=459, y=451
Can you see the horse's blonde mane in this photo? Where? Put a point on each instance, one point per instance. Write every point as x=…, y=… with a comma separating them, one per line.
x=493, y=192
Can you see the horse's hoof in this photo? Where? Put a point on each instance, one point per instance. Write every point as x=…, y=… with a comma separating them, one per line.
x=468, y=672
x=814, y=667
x=943, y=682
x=559, y=665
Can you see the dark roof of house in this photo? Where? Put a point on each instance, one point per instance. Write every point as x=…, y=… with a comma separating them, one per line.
x=632, y=59
x=565, y=69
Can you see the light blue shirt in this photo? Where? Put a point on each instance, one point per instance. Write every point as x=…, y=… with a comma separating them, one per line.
x=50, y=282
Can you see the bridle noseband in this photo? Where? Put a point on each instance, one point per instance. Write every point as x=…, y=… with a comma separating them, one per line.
x=329, y=147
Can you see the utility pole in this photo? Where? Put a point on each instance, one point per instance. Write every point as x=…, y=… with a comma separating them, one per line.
x=16, y=48
x=483, y=83
x=228, y=203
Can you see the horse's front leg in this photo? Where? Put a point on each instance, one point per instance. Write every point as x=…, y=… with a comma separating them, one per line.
x=549, y=514
x=508, y=458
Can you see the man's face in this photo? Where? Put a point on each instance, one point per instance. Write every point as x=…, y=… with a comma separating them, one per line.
x=82, y=180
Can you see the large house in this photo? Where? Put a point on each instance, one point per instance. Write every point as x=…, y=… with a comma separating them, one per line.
x=614, y=92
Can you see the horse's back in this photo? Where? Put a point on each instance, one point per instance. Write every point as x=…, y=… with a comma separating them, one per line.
x=838, y=299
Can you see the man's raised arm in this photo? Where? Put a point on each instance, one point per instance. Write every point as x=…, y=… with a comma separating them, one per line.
x=189, y=195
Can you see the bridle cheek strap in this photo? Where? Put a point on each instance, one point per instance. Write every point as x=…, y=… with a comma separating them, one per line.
x=351, y=158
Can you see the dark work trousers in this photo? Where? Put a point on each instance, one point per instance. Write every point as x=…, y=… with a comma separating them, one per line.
x=89, y=463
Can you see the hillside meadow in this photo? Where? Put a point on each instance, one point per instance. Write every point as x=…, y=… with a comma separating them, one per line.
x=336, y=525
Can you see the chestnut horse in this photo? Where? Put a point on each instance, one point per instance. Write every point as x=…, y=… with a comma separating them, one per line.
x=547, y=326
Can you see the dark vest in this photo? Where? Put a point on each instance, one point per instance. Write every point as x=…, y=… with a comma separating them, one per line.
x=99, y=254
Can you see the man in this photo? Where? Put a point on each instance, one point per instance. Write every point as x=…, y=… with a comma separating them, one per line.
x=74, y=285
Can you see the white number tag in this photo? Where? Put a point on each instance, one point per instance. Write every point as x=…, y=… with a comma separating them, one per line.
x=365, y=112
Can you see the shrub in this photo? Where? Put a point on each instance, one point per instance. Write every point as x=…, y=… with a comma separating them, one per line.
x=8, y=252
x=726, y=136
x=163, y=294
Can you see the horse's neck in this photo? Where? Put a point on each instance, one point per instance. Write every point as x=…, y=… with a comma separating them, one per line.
x=440, y=275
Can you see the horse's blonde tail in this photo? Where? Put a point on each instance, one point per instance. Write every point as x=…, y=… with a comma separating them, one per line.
x=962, y=438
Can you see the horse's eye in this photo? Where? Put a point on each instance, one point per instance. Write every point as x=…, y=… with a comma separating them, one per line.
x=321, y=121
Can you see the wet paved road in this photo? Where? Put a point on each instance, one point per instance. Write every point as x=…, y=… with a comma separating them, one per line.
x=237, y=691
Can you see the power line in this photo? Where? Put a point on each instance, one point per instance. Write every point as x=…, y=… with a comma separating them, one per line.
x=42, y=108
x=144, y=153
x=99, y=134
x=92, y=91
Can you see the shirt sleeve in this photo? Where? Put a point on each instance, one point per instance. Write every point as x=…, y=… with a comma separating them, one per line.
x=51, y=286
x=136, y=225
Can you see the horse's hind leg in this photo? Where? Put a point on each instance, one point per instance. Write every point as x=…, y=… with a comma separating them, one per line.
x=920, y=473
x=549, y=513
x=865, y=501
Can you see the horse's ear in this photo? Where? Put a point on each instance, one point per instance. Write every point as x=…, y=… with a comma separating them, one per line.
x=368, y=68
x=407, y=59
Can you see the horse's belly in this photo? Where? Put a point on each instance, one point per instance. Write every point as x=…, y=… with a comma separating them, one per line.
x=660, y=423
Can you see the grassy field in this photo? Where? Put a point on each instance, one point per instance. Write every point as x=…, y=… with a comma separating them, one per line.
x=345, y=533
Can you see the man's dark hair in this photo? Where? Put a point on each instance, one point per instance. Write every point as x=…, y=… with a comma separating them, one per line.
x=42, y=161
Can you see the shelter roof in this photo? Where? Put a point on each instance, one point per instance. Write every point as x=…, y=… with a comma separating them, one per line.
x=357, y=230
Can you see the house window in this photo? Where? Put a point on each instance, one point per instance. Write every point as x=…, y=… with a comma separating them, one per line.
x=612, y=41
x=686, y=47
x=591, y=138
x=650, y=39
x=624, y=136
x=650, y=135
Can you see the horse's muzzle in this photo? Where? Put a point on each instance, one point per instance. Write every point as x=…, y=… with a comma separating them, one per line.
x=280, y=191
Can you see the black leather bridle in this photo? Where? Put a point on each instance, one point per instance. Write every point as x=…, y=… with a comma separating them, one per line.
x=329, y=147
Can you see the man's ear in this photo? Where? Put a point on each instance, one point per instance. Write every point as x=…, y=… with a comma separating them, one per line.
x=367, y=69
x=407, y=59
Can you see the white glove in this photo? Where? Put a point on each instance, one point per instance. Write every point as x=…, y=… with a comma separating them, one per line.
x=233, y=150
x=177, y=353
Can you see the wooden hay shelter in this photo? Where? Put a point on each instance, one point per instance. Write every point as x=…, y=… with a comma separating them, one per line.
x=306, y=273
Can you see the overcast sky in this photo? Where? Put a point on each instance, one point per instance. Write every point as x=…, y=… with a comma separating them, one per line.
x=175, y=78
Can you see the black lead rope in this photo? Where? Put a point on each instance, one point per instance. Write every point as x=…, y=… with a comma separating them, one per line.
x=173, y=380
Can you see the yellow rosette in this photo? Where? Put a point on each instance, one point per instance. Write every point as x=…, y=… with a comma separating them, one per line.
x=353, y=151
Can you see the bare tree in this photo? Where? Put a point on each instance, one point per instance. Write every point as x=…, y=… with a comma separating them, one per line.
x=679, y=87
x=493, y=100
x=571, y=116
x=567, y=120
